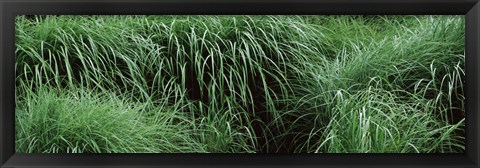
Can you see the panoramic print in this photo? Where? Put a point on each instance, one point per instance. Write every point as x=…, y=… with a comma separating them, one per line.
x=240, y=84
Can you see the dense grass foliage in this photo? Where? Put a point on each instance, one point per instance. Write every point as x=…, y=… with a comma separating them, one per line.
x=240, y=84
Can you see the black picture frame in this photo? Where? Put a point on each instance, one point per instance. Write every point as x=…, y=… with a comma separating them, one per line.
x=10, y=8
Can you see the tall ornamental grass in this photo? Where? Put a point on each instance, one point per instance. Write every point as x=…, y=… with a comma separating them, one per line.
x=240, y=84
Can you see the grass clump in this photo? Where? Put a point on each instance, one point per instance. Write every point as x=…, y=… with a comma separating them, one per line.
x=82, y=121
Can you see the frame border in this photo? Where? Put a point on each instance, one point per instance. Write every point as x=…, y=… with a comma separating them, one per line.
x=10, y=8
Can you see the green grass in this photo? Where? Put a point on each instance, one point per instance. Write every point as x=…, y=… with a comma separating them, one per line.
x=240, y=84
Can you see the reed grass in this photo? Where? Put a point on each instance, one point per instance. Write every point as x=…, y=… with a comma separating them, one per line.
x=240, y=84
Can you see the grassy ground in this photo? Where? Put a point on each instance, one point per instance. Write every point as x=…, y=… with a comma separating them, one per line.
x=240, y=84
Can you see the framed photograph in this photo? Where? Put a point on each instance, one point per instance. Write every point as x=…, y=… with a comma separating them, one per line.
x=252, y=83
